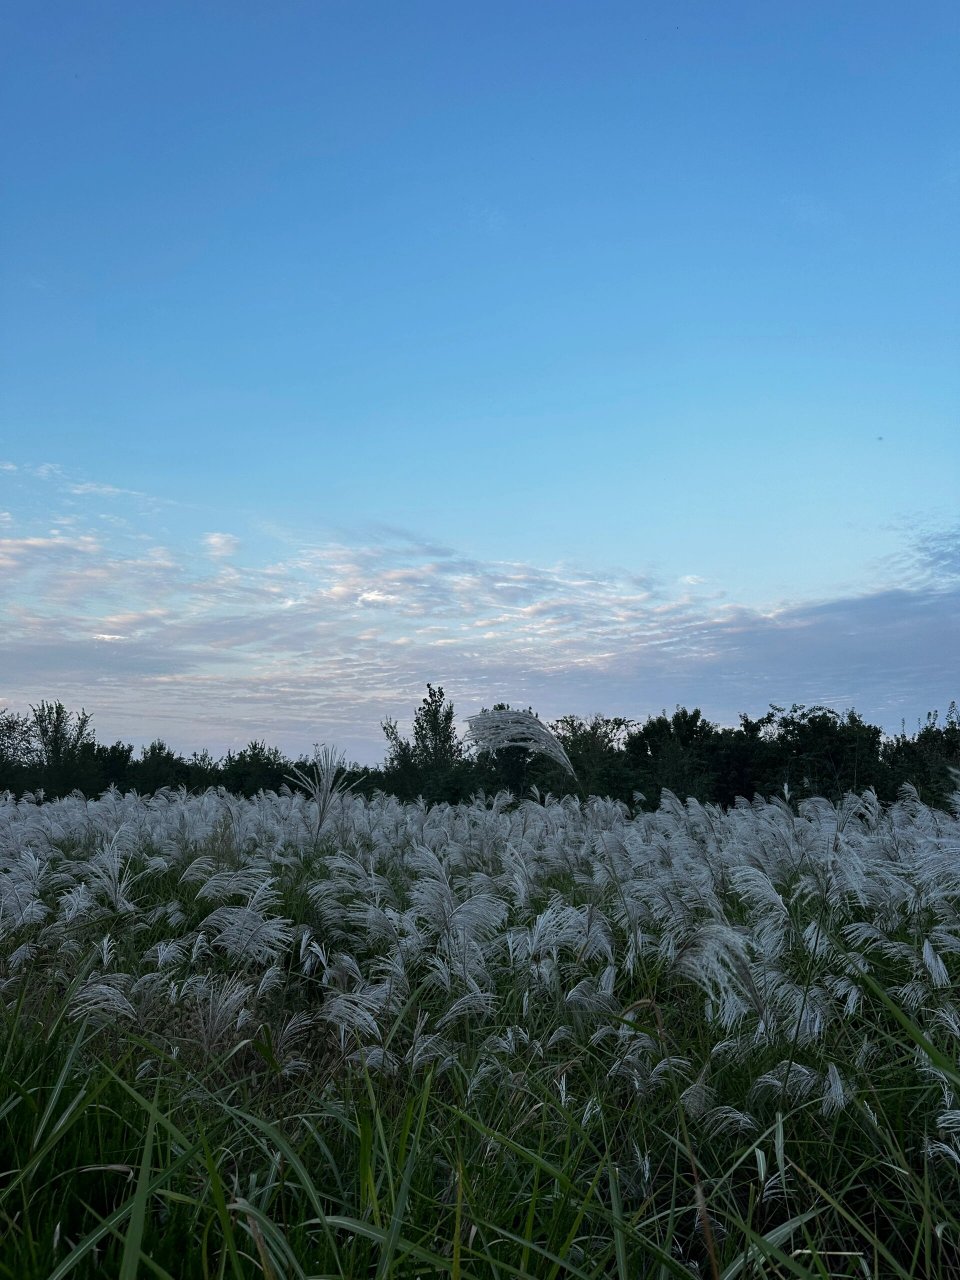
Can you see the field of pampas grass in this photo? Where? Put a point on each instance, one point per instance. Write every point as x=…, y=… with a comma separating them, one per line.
x=312, y=1035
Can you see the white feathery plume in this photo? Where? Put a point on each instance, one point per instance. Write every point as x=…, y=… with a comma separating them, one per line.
x=324, y=782
x=75, y=903
x=245, y=882
x=475, y=1005
x=934, y=965
x=102, y=1000
x=221, y=1005
x=728, y=1120
x=493, y=730
x=940, y=1151
x=836, y=1091
x=23, y=955
x=247, y=933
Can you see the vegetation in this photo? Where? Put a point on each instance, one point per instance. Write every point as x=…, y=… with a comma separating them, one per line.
x=314, y=1034
x=803, y=752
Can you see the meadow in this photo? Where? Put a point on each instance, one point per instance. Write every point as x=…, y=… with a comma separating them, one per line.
x=311, y=1034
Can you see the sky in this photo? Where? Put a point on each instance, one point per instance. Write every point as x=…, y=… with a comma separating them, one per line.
x=601, y=357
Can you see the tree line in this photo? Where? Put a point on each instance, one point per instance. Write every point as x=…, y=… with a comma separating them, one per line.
x=52, y=751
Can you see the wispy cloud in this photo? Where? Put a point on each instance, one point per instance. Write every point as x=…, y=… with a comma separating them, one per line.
x=220, y=546
x=327, y=639
x=939, y=552
x=102, y=490
x=47, y=471
x=19, y=554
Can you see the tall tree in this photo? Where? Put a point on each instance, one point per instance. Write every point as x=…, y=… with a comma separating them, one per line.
x=65, y=746
x=433, y=765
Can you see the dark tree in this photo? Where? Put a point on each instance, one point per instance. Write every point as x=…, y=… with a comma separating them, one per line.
x=65, y=748
x=158, y=766
x=596, y=749
x=676, y=752
x=929, y=761
x=17, y=753
x=433, y=765
x=256, y=768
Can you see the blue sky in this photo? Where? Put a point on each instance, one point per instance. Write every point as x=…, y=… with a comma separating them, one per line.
x=601, y=356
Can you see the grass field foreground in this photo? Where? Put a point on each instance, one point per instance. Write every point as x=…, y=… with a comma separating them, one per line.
x=316, y=1035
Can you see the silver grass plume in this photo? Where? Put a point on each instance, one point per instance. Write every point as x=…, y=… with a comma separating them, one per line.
x=324, y=782
x=494, y=730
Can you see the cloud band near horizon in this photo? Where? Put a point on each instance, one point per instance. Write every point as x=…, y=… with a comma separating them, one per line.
x=205, y=644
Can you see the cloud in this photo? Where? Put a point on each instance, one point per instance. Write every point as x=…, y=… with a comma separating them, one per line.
x=220, y=546
x=35, y=482
x=48, y=471
x=939, y=553
x=325, y=641
x=102, y=490
x=19, y=553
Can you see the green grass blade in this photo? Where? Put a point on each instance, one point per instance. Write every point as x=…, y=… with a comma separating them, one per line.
x=130, y=1263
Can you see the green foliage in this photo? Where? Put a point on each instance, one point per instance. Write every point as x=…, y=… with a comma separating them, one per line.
x=432, y=765
x=16, y=741
x=675, y=753
x=800, y=752
x=595, y=747
x=158, y=766
x=256, y=768
x=435, y=742
x=929, y=758
x=55, y=751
